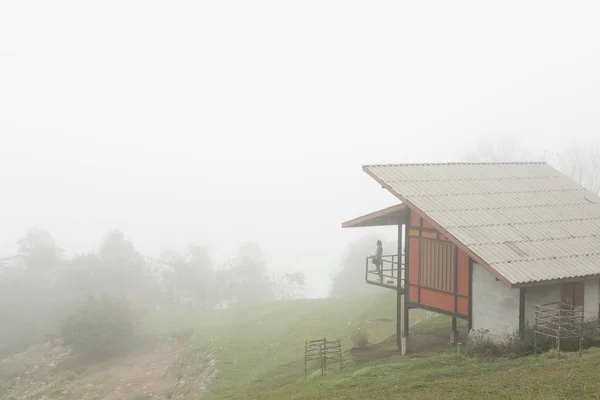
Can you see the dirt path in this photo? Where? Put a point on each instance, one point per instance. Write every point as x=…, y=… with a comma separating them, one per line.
x=423, y=344
x=170, y=370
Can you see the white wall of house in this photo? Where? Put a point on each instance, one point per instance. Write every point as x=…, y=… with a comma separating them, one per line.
x=539, y=295
x=495, y=306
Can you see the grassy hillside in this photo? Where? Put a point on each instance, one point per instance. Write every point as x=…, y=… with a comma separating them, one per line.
x=253, y=343
x=257, y=353
x=440, y=377
x=260, y=357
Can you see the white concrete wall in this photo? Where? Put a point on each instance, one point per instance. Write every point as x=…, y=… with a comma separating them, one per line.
x=591, y=298
x=495, y=306
x=539, y=295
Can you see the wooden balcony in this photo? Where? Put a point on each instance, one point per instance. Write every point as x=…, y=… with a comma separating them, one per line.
x=391, y=274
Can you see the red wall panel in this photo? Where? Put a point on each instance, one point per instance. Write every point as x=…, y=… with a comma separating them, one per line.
x=428, y=297
x=463, y=273
x=427, y=225
x=443, y=301
x=462, y=306
x=413, y=294
x=414, y=219
x=413, y=260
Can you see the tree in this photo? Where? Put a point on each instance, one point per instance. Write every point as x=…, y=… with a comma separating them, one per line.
x=290, y=285
x=189, y=277
x=170, y=264
x=202, y=274
x=100, y=328
x=20, y=313
x=125, y=273
x=30, y=300
x=248, y=279
x=582, y=164
x=500, y=151
x=80, y=277
x=39, y=250
x=42, y=260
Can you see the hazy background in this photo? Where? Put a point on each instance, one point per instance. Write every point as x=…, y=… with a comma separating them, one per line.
x=221, y=121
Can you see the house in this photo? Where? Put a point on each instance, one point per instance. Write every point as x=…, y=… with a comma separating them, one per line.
x=487, y=242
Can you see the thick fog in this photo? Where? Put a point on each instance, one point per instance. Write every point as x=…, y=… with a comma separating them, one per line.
x=218, y=123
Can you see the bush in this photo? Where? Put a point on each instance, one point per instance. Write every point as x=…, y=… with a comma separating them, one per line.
x=360, y=338
x=100, y=328
x=479, y=344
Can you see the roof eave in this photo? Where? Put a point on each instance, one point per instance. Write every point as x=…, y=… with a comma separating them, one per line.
x=388, y=216
x=557, y=281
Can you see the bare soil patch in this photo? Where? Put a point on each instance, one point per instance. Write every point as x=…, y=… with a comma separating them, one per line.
x=171, y=369
x=422, y=344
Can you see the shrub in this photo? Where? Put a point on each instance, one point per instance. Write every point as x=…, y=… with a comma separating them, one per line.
x=479, y=344
x=100, y=328
x=360, y=338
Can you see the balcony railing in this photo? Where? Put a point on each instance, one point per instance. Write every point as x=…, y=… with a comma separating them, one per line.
x=390, y=273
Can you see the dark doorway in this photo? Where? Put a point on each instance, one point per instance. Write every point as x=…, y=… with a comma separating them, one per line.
x=572, y=293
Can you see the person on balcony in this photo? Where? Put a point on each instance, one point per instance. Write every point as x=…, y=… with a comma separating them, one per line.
x=378, y=259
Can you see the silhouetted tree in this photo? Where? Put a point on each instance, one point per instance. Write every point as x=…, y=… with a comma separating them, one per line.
x=582, y=164
x=30, y=299
x=125, y=273
x=39, y=250
x=290, y=285
x=248, y=279
x=188, y=278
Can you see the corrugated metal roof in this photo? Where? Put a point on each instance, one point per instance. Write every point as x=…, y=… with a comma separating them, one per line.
x=527, y=221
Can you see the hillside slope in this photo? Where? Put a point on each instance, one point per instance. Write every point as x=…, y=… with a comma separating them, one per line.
x=183, y=352
x=257, y=353
x=439, y=377
x=251, y=343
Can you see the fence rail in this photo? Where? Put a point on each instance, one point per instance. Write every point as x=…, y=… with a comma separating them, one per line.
x=558, y=321
x=324, y=351
x=390, y=272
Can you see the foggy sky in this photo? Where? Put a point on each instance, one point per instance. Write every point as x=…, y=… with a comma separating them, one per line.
x=218, y=122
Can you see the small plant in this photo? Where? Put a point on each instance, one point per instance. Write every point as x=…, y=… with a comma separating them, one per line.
x=480, y=344
x=360, y=338
x=100, y=328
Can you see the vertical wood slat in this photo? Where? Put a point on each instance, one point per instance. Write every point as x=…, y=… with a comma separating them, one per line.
x=437, y=264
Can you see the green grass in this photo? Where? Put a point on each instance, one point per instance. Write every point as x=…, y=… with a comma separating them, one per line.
x=260, y=349
x=442, y=377
x=250, y=343
x=259, y=353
